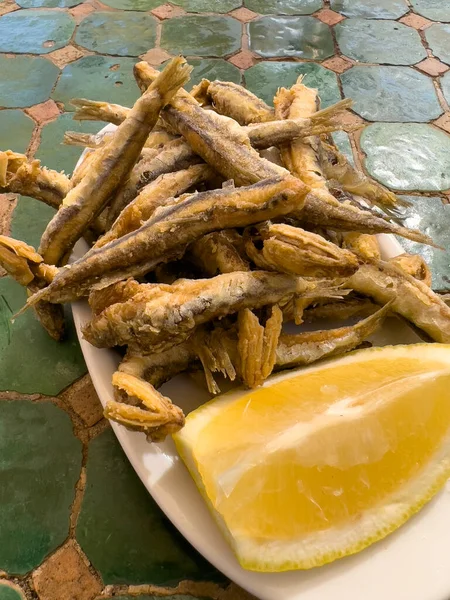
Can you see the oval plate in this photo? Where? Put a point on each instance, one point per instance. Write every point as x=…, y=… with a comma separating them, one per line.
x=410, y=564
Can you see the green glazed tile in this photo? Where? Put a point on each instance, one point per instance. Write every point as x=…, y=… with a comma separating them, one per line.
x=342, y=141
x=408, y=156
x=436, y=10
x=118, y=33
x=52, y=152
x=142, y=5
x=284, y=7
x=212, y=68
x=391, y=94
x=266, y=77
x=15, y=130
x=201, y=35
x=40, y=462
x=40, y=76
x=48, y=3
x=30, y=217
x=9, y=593
x=384, y=42
x=30, y=361
x=432, y=217
x=438, y=38
x=123, y=532
x=35, y=31
x=98, y=78
x=303, y=37
x=371, y=9
x=199, y=6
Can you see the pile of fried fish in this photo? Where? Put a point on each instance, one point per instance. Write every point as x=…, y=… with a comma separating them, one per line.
x=212, y=220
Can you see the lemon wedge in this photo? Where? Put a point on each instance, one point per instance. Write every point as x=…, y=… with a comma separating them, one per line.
x=322, y=462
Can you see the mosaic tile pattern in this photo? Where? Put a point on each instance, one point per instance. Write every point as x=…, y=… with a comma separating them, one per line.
x=98, y=526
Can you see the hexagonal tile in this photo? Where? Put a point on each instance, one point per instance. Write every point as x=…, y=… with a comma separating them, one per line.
x=199, y=35
x=266, y=77
x=284, y=7
x=438, y=38
x=35, y=32
x=40, y=462
x=98, y=78
x=430, y=215
x=123, y=532
x=408, y=156
x=303, y=37
x=48, y=3
x=371, y=9
x=199, y=6
x=119, y=33
x=30, y=361
x=40, y=76
x=15, y=130
x=391, y=94
x=60, y=157
x=143, y=5
x=436, y=10
x=342, y=141
x=384, y=42
x=212, y=68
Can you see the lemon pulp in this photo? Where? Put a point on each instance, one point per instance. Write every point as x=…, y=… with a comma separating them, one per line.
x=331, y=453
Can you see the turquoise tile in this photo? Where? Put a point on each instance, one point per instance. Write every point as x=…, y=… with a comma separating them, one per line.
x=201, y=35
x=16, y=129
x=302, y=37
x=98, y=78
x=342, y=141
x=212, y=68
x=48, y=3
x=8, y=592
x=119, y=33
x=52, y=153
x=438, y=38
x=142, y=5
x=39, y=73
x=124, y=533
x=30, y=218
x=40, y=463
x=371, y=9
x=199, y=6
x=383, y=42
x=284, y=7
x=35, y=31
x=266, y=77
x=436, y=10
x=431, y=216
x=391, y=94
x=408, y=156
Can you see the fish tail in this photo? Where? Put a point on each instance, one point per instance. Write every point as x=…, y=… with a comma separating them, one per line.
x=75, y=138
x=326, y=114
x=87, y=110
x=172, y=78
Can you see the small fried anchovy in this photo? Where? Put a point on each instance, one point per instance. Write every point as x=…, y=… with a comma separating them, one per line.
x=346, y=217
x=169, y=231
x=18, y=175
x=412, y=299
x=336, y=167
x=219, y=140
x=89, y=110
x=110, y=165
x=158, y=193
x=306, y=348
x=257, y=345
x=339, y=310
x=233, y=100
x=157, y=138
x=414, y=265
x=219, y=252
x=154, y=415
x=173, y=156
x=362, y=244
x=293, y=250
x=162, y=316
x=113, y=294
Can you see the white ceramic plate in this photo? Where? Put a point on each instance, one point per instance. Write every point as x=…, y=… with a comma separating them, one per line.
x=411, y=564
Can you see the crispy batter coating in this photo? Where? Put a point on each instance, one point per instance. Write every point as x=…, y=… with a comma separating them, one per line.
x=219, y=252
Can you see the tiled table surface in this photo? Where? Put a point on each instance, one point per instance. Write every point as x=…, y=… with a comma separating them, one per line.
x=75, y=522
